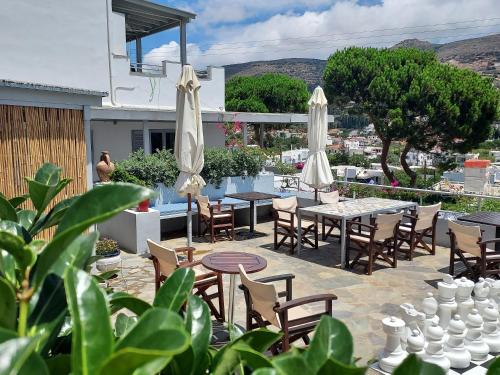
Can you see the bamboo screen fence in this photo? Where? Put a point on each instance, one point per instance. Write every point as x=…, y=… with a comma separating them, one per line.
x=31, y=136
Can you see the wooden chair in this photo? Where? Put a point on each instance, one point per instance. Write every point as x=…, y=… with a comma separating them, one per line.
x=264, y=308
x=376, y=241
x=467, y=247
x=165, y=262
x=215, y=218
x=285, y=224
x=328, y=223
x=420, y=224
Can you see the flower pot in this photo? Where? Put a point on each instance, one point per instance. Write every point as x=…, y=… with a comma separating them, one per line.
x=109, y=262
x=143, y=206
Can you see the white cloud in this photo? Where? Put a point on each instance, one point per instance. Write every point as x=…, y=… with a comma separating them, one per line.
x=343, y=24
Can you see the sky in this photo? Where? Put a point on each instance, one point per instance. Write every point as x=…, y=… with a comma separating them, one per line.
x=234, y=31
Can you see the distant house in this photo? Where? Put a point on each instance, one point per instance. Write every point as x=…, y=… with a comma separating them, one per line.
x=72, y=60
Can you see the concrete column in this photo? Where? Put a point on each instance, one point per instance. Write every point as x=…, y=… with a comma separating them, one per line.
x=88, y=146
x=183, y=42
x=138, y=54
x=245, y=134
x=262, y=130
x=145, y=137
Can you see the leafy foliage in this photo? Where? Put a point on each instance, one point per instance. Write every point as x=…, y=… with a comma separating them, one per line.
x=275, y=93
x=106, y=246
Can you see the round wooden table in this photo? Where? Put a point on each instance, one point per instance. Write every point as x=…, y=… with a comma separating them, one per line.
x=227, y=262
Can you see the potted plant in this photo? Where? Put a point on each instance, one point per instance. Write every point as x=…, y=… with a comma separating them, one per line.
x=109, y=252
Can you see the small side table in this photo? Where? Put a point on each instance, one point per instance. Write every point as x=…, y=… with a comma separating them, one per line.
x=227, y=262
x=252, y=197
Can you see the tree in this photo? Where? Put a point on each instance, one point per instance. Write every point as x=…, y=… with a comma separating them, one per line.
x=273, y=93
x=411, y=97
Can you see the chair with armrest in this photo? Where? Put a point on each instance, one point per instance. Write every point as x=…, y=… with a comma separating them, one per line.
x=328, y=223
x=166, y=261
x=264, y=309
x=419, y=224
x=285, y=224
x=215, y=217
x=376, y=240
x=468, y=247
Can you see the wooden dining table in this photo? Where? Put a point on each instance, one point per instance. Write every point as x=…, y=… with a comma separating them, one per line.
x=227, y=262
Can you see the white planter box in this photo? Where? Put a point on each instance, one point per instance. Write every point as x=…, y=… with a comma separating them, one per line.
x=109, y=263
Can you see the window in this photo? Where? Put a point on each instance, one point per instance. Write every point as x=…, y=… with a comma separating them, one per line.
x=162, y=139
x=137, y=140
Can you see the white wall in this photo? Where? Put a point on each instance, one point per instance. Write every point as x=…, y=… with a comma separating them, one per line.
x=117, y=138
x=54, y=42
x=155, y=91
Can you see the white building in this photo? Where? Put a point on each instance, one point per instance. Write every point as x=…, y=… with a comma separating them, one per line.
x=74, y=52
x=419, y=158
x=294, y=156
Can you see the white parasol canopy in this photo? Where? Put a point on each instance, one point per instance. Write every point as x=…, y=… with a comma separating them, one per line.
x=316, y=172
x=189, y=143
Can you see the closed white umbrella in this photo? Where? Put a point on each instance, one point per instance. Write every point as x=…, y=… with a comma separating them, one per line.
x=189, y=143
x=316, y=172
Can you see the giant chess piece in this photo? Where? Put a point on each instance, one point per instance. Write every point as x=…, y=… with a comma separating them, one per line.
x=454, y=347
x=430, y=308
x=465, y=303
x=414, y=320
x=416, y=343
x=393, y=354
x=481, y=293
x=447, y=306
x=474, y=342
x=434, y=351
x=494, y=295
x=491, y=333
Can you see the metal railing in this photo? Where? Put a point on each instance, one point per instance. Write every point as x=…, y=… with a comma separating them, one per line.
x=146, y=68
x=291, y=182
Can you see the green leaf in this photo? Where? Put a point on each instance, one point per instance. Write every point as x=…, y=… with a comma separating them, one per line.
x=8, y=306
x=332, y=339
x=175, y=291
x=265, y=371
x=291, y=363
x=95, y=206
x=106, y=275
x=494, y=368
x=123, y=324
x=14, y=354
x=60, y=364
x=413, y=365
x=92, y=337
x=17, y=201
x=76, y=253
x=199, y=325
x=45, y=186
x=7, y=211
x=14, y=245
x=332, y=366
x=26, y=218
x=54, y=216
x=143, y=334
x=48, y=174
x=16, y=229
x=8, y=267
x=127, y=361
x=122, y=300
x=240, y=354
x=34, y=365
x=7, y=334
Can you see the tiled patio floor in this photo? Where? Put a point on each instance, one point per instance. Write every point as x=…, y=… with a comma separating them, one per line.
x=362, y=300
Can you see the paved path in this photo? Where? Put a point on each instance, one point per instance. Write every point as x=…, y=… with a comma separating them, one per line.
x=363, y=300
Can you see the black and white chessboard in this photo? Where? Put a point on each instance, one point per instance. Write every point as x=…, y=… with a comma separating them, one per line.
x=475, y=368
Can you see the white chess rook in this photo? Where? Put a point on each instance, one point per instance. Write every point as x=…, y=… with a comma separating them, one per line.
x=474, y=342
x=454, y=348
x=393, y=354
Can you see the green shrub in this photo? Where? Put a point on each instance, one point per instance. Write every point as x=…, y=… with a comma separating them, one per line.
x=285, y=169
x=106, y=246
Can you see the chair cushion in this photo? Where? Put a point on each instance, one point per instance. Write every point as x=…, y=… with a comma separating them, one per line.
x=222, y=215
x=305, y=223
x=360, y=238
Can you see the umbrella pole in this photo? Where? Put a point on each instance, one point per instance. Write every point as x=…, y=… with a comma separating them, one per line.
x=189, y=222
x=315, y=194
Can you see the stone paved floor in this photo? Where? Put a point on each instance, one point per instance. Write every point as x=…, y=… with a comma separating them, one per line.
x=362, y=300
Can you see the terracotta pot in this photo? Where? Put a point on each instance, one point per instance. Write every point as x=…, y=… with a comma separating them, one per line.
x=143, y=206
x=105, y=167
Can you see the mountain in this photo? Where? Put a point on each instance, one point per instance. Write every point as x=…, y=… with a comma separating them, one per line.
x=479, y=54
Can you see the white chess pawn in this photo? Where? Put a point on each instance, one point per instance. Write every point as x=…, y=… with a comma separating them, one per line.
x=474, y=342
x=430, y=308
x=465, y=303
x=481, y=293
x=447, y=305
x=434, y=351
x=393, y=354
x=416, y=343
x=413, y=320
x=491, y=333
x=494, y=295
x=454, y=347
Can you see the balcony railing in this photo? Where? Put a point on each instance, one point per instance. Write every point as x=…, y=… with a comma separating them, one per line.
x=146, y=68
